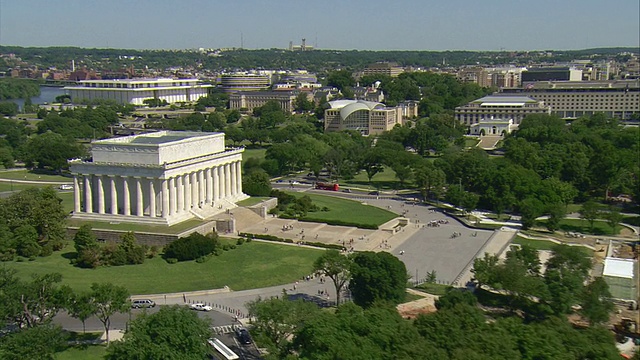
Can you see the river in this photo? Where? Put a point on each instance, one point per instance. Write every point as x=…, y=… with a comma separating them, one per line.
x=47, y=95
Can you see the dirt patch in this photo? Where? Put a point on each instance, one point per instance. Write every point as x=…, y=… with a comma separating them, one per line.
x=412, y=309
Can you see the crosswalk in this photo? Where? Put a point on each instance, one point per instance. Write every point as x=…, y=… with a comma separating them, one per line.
x=225, y=329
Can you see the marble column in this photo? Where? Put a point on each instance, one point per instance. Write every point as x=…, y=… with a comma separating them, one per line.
x=172, y=196
x=216, y=183
x=180, y=191
x=227, y=180
x=187, y=192
x=126, y=196
x=76, y=195
x=88, y=199
x=194, y=190
x=152, y=198
x=201, y=188
x=239, y=176
x=114, y=195
x=100, y=194
x=139, y=198
x=232, y=179
x=209, y=193
x=165, y=198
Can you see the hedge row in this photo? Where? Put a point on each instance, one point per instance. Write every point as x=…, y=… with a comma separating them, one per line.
x=289, y=241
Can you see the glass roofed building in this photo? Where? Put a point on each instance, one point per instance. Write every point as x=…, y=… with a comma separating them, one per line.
x=366, y=117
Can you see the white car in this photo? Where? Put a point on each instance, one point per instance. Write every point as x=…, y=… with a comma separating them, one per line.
x=201, y=307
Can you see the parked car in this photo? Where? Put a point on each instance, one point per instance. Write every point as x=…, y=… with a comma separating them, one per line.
x=201, y=307
x=243, y=336
x=374, y=193
x=142, y=303
x=66, y=187
x=346, y=190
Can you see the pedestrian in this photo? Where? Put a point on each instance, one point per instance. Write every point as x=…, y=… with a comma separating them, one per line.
x=184, y=297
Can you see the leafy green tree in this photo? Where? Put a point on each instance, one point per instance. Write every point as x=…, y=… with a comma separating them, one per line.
x=341, y=79
x=84, y=239
x=596, y=301
x=26, y=239
x=377, y=276
x=372, y=162
x=277, y=319
x=134, y=253
x=483, y=269
x=108, y=299
x=302, y=103
x=454, y=297
x=6, y=158
x=40, y=342
x=613, y=217
x=530, y=209
x=336, y=266
x=172, y=333
x=256, y=184
x=556, y=213
x=567, y=270
x=8, y=108
x=51, y=150
x=590, y=211
x=81, y=307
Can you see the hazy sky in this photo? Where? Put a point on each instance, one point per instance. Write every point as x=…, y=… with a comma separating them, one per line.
x=331, y=24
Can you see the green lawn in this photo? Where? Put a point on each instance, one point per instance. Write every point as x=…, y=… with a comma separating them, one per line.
x=434, y=288
x=253, y=153
x=382, y=180
x=175, y=229
x=582, y=226
x=93, y=352
x=8, y=186
x=346, y=210
x=249, y=266
x=33, y=175
x=252, y=201
x=536, y=244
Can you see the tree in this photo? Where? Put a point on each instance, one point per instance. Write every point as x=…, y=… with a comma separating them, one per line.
x=40, y=342
x=556, y=213
x=257, y=184
x=377, y=277
x=530, y=209
x=108, y=299
x=596, y=303
x=276, y=320
x=84, y=239
x=81, y=307
x=613, y=217
x=6, y=158
x=567, y=270
x=172, y=333
x=302, y=103
x=336, y=266
x=590, y=211
x=51, y=150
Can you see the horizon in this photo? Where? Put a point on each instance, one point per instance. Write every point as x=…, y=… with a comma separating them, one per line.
x=374, y=25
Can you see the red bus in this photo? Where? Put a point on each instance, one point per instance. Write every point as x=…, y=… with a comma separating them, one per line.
x=327, y=186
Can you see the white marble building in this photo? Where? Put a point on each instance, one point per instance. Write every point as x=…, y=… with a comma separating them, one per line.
x=158, y=178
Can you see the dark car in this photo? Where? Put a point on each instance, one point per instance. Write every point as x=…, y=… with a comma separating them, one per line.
x=374, y=193
x=243, y=336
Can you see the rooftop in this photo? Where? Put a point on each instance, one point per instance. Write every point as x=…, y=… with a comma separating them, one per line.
x=504, y=99
x=156, y=138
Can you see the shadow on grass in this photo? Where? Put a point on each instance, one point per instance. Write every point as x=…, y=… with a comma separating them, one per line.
x=386, y=185
x=70, y=255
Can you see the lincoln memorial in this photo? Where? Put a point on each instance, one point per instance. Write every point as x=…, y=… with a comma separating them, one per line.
x=159, y=178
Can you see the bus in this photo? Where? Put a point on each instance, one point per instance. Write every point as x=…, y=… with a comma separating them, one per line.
x=327, y=186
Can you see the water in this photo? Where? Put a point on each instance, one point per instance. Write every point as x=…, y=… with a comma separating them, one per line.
x=47, y=95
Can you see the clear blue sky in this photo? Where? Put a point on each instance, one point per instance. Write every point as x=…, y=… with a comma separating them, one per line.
x=336, y=24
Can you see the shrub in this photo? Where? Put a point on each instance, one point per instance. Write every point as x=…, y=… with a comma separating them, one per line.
x=226, y=247
x=172, y=260
x=202, y=259
x=240, y=241
x=192, y=247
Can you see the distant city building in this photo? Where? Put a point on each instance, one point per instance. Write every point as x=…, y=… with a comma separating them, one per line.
x=158, y=178
x=302, y=47
x=572, y=99
x=500, y=107
x=369, y=93
x=250, y=100
x=383, y=68
x=231, y=83
x=135, y=91
x=366, y=117
x=551, y=74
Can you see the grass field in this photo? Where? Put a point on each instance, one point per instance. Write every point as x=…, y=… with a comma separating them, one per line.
x=93, y=352
x=252, y=201
x=253, y=154
x=536, y=244
x=175, y=229
x=33, y=176
x=582, y=226
x=249, y=266
x=433, y=288
x=8, y=186
x=382, y=180
x=346, y=210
